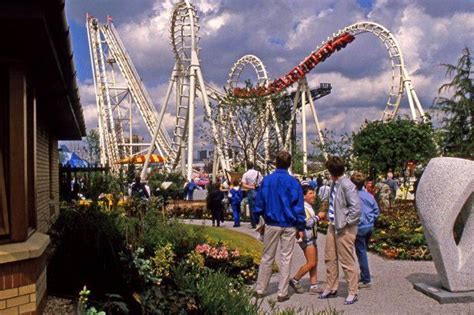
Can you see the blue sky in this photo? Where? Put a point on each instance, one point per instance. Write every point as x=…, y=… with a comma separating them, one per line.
x=281, y=33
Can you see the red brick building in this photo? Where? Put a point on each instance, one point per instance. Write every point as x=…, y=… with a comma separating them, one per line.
x=39, y=105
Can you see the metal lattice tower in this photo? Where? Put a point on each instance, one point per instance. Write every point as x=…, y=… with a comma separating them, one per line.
x=186, y=80
x=107, y=54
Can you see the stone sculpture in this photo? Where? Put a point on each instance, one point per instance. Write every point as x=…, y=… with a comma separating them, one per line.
x=445, y=202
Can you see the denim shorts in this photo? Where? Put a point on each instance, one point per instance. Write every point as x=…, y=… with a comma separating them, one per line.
x=308, y=242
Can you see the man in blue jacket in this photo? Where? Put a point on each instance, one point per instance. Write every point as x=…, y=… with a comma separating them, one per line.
x=280, y=201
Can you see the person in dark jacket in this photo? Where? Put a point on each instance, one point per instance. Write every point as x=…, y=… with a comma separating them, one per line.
x=214, y=203
x=369, y=213
x=280, y=201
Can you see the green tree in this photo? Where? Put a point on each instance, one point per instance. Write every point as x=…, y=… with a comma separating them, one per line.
x=338, y=145
x=379, y=146
x=245, y=122
x=457, y=131
x=93, y=146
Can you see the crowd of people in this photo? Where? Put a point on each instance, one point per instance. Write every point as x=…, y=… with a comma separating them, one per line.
x=286, y=206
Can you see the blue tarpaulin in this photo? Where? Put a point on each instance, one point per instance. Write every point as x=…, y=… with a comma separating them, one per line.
x=71, y=159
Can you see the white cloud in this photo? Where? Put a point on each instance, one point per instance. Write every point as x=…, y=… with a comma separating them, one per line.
x=215, y=23
x=360, y=76
x=89, y=107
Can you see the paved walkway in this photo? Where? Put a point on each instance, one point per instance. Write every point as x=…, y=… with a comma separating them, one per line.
x=391, y=293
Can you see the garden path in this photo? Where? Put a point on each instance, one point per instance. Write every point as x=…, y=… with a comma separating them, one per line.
x=392, y=290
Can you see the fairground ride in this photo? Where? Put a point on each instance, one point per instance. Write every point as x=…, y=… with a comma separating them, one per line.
x=187, y=84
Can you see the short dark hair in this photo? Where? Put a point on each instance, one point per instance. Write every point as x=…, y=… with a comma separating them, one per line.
x=236, y=182
x=249, y=165
x=358, y=179
x=306, y=188
x=335, y=166
x=283, y=159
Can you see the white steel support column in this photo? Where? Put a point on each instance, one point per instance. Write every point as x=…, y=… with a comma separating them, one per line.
x=130, y=120
x=158, y=126
x=205, y=100
x=303, y=127
x=410, y=101
x=287, y=145
x=413, y=100
x=192, y=95
x=266, y=140
x=315, y=117
x=215, y=165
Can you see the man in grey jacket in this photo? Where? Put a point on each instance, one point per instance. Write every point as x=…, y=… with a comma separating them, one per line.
x=343, y=215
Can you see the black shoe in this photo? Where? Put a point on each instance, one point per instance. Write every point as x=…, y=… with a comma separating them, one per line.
x=365, y=285
x=283, y=298
x=349, y=302
x=327, y=295
x=296, y=286
x=236, y=225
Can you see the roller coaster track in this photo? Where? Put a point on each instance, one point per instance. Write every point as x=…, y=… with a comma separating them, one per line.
x=338, y=41
x=187, y=83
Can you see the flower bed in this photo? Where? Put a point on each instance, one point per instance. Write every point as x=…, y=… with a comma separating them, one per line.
x=398, y=233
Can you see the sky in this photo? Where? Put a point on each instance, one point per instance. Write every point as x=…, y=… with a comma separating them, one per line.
x=282, y=33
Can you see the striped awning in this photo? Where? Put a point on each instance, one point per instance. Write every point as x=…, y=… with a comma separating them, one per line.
x=140, y=159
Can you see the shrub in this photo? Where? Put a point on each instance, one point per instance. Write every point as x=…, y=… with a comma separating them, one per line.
x=86, y=244
x=159, y=232
x=227, y=260
x=219, y=294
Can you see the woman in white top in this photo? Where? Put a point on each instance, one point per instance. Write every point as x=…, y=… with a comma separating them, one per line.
x=309, y=245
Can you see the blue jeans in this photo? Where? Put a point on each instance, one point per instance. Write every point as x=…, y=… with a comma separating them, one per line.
x=251, y=196
x=236, y=214
x=361, y=245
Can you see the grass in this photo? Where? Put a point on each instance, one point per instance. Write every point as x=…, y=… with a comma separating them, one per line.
x=245, y=243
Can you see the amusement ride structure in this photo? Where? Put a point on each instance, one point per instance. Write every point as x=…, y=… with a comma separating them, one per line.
x=116, y=101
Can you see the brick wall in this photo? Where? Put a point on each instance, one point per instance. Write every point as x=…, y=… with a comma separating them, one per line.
x=42, y=180
x=54, y=179
x=23, y=286
x=47, y=177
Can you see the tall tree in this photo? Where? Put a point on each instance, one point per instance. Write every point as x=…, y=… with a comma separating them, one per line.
x=339, y=145
x=379, y=146
x=246, y=122
x=93, y=146
x=457, y=132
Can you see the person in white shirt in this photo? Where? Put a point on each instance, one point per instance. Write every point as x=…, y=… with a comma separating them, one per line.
x=250, y=181
x=324, y=191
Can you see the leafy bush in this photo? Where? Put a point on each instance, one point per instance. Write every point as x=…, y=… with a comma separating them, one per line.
x=99, y=183
x=86, y=244
x=227, y=260
x=175, y=191
x=168, y=300
x=219, y=294
x=159, y=232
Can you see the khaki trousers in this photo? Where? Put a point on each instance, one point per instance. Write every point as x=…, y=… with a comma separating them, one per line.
x=340, y=248
x=273, y=236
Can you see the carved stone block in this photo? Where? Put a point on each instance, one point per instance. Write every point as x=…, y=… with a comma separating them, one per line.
x=445, y=203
